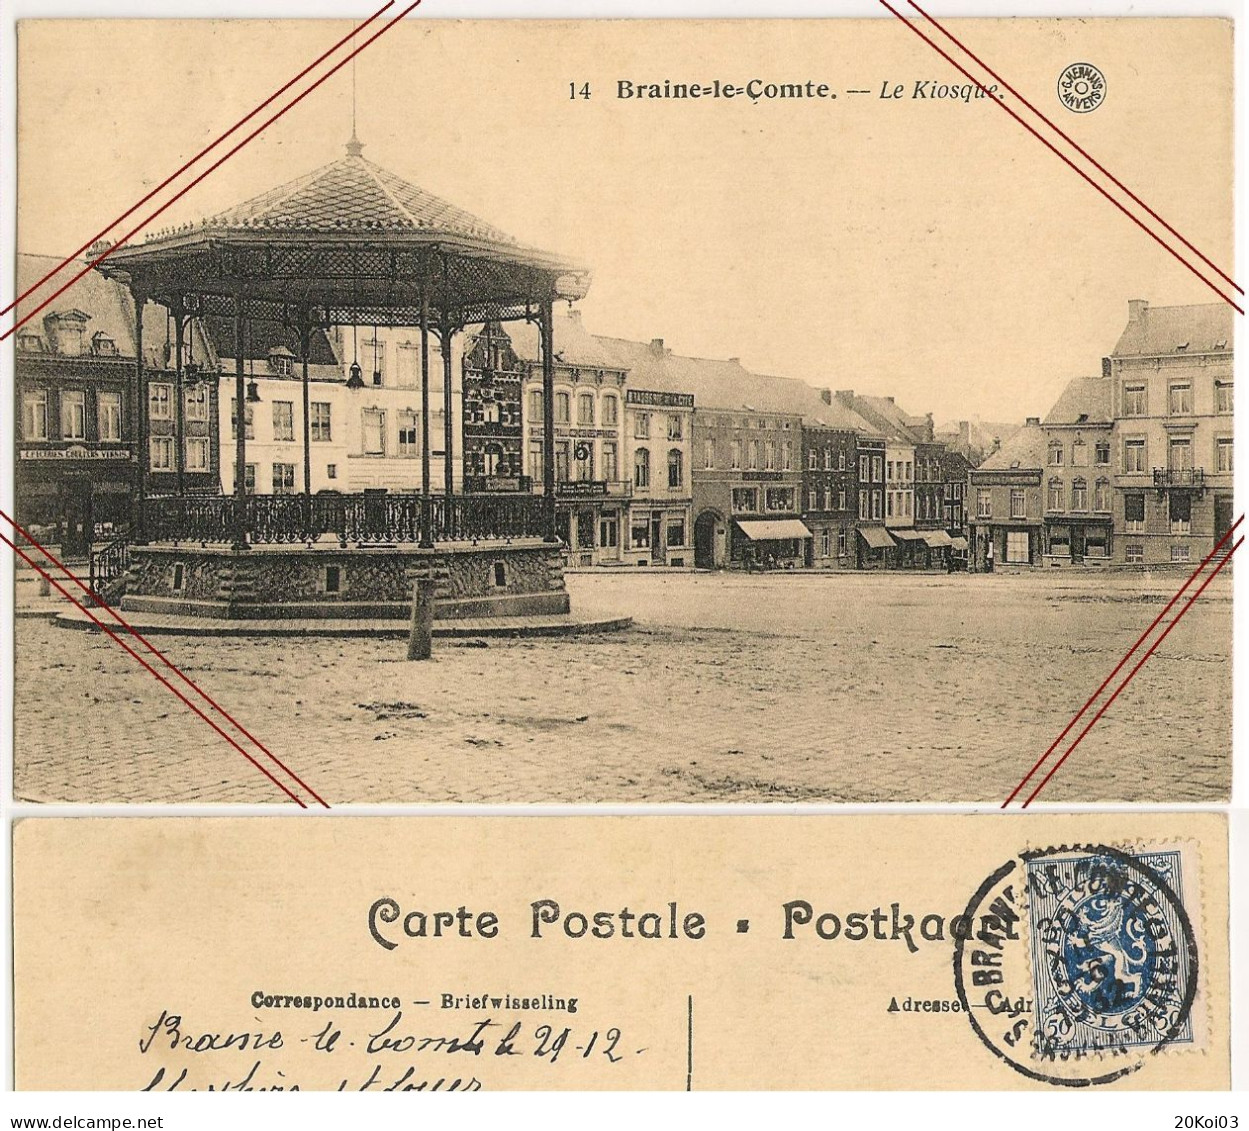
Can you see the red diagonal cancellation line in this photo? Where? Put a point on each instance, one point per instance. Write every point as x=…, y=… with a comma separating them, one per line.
x=1119, y=666
x=95, y=597
x=211, y=169
x=1078, y=147
x=118, y=640
x=1064, y=158
x=207, y=149
x=1139, y=664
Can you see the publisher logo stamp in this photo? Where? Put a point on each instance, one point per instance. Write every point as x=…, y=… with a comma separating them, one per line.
x=1082, y=88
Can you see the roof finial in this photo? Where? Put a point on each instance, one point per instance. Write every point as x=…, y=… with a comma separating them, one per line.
x=355, y=148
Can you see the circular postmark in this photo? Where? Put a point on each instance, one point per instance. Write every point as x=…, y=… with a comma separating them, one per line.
x=1078, y=964
x=1081, y=88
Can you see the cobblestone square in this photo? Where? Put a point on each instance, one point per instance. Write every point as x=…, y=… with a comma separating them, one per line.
x=729, y=688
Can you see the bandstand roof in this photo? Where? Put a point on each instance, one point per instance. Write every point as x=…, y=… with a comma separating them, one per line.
x=355, y=242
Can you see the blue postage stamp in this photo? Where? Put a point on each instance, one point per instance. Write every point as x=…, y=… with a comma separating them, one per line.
x=1109, y=964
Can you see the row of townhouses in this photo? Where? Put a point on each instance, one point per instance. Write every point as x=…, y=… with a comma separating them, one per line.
x=660, y=459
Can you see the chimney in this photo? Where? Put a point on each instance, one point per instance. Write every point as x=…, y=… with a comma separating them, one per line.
x=890, y=400
x=1137, y=309
x=930, y=430
x=1032, y=422
x=846, y=396
x=657, y=346
x=964, y=435
x=826, y=395
x=735, y=361
x=997, y=444
x=1105, y=367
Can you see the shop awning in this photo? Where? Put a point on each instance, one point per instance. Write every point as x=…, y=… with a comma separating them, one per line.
x=877, y=537
x=908, y=535
x=937, y=539
x=765, y=530
x=958, y=542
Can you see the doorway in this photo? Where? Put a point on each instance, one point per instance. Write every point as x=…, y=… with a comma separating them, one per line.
x=705, y=556
x=77, y=520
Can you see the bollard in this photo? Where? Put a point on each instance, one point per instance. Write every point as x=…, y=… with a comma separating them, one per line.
x=45, y=587
x=421, y=631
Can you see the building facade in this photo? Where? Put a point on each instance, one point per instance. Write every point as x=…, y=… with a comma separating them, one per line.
x=830, y=490
x=1079, y=522
x=876, y=548
x=1006, y=519
x=492, y=424
x=1171, y=384
x=660, y=427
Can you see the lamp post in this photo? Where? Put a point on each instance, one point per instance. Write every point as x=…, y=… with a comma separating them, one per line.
x=240, y=429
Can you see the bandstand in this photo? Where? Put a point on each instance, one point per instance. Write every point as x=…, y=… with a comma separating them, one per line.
x=349, y=244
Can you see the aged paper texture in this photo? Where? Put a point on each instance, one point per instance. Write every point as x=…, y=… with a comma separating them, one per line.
x=749, y=410
x=884, y=952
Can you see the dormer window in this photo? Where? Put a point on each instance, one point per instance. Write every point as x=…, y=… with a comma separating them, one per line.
x=65, y=331
x=30, y=343
x=102, y=345
x=282, y=361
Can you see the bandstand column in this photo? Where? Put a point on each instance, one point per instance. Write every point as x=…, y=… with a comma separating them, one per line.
x=448, y=431
x=427, y=510
x=240, y=429
x=305, y=345
x=140, y=417
x=547, y=335
x=179, y=410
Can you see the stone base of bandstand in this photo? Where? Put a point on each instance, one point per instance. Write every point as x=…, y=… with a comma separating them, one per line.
x=520, y=578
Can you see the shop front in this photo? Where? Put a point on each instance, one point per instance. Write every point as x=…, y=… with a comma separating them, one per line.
x=590, y=519
x=778, y=543
x=876, y=546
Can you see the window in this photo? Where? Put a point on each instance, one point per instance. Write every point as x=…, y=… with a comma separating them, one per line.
x=283, y=478
x=779, y=498
x=73, y=414
x=609, y=531
x=811, y=504
x=841, y=460
x=745, y=500
x=828, y=459
x=640, y=531
x=331, y=471
x=35, y=415
x=1181, y=552
x=1134, y=512
x=374, y=420
x=841, y=499
x=563, y=408
x=984, y=503
x=878, y=469
x=841, y=542
x=1134, y=457
x=769, y=455
x=1056, y=455
x=319, y=421
x=1101, y=495
x=1079, y=495
x=377, y=351
x=1101, y=453
x=1180, y=399
x=889, y=472
x=1134, y=552
x=676, y=532
x=249, y=478
x=611, y=413
x=611, y=466
x=787, y=456
x=826, y=543
x=195, y=402
x=196, y=453
x=283, y=420
x=1134, y=403
x=535, y=405
x=1017, y=547
x=876, y=505
x=281, y=364
x=862, y=505
x=642, y=426
x=249, y=420
x=752, y=459
x=160, y=402
x=1222, y=396
x=1054, y=495
x=1018, y=503
x=642, y=468
x=160, y=451
x=910, y=475
x=583, y=457
x=676, y=428
x=1180, y=454
x=408, y=442
x=536, y=462
x=889, y=496
x=709, y=454
x=108, y=415
x=735, y=454
x=676, y=468
x=561, y=461
x=865, y=469
x=1223, y=454
x=407, y=359
x=1079, y=454
x=1180, y=506
x=585, y=409
x=811, y=458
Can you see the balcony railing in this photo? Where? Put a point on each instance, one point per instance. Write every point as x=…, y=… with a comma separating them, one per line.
x=1194, y=477
x=372, y=517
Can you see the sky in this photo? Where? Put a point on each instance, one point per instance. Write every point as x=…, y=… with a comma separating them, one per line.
x=927, y=249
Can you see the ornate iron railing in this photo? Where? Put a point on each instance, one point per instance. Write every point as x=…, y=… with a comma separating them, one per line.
x=1180, y=477
x=108, y=567
x=365, y=518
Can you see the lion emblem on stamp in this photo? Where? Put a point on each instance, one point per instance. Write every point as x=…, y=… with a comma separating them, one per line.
x=1081, y=88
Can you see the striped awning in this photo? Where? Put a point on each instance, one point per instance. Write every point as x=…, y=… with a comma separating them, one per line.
x=877, y=537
